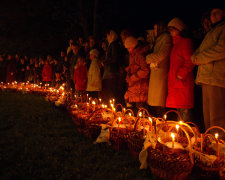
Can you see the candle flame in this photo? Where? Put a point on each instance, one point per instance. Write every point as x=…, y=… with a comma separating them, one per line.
x=140, y=114
x=93, y=102
x=119, y=119
x=150, y=119
x=129, y=114
x=165, y=116
x=216, y=135
x=173, y=136
x=177, y=127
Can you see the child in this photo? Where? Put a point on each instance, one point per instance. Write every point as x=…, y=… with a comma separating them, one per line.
x=80, y=75
x=47, y=72
x=94, y=84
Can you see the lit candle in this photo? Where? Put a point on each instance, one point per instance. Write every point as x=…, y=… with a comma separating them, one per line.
x=150, y=119
x=165, y=116
x=140, y=114
x=100, y=100
x=119, y=120
x=217, y=143
x=93, y=102
x=173, y=139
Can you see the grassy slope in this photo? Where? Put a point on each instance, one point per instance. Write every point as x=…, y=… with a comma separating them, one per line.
x=41, y=142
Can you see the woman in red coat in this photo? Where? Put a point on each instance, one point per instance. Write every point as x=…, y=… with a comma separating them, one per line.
x=180, y=77
x=47, y=72
x=137, y=73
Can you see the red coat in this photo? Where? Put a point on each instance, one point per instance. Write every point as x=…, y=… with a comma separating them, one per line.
x=80, y=77
x=47, y=72
x=181, y=91
x=137, y=77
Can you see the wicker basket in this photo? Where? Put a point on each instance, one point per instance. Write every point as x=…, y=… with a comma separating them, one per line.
x=93, y=124
x=119, y=132
x=137, y=137
x=207, y=169
x=171, y=163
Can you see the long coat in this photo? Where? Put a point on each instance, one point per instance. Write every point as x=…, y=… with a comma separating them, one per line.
x=47, y=72
x=181, y=91
x=211, y=57
x=80, y=76
x=157, y=91
x=137, y=77
x=94, y=76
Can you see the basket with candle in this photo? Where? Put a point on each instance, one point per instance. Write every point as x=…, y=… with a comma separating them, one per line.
x=142, y=126
x=120, y=131
x=82, y=115
x=102, y=115
x=171, y=157
x=210, y=155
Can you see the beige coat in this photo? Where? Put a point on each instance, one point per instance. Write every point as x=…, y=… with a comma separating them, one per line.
x=157, y=91
x=211, y=57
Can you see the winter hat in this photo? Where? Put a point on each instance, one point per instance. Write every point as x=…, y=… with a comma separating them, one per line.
x=177, y=23
x=95, y=52
x=130, y=42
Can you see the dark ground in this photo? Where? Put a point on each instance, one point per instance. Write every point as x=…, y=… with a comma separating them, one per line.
x=40, y=142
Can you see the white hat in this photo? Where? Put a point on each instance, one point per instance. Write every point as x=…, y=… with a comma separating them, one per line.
x=177, y=23
x=130, y=42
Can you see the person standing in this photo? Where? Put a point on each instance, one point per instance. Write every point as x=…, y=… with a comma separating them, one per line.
x=137, y=74
x=159, y=64
x=210, y=59
x=94, y=84
x=111, y=65
x=180, y=77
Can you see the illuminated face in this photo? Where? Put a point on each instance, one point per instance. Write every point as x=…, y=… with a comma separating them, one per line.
x=173, y=31
x=217, y=15
x=130, y=49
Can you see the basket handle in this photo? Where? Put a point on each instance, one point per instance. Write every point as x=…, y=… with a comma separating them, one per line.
x=143, y=109
x=187, y=135
x=129, y=110
x=178, y=114
x=117, y=106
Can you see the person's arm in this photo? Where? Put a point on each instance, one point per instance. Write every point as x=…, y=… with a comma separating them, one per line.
x=213, y=53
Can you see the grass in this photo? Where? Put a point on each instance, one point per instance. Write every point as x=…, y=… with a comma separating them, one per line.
x=38, y=141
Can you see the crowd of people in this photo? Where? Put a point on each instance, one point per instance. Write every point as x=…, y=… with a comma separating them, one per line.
x=157, y=71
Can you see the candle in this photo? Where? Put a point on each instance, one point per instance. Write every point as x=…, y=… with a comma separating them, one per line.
x=217, y=143
x=140, y=114
x=173, y=139
x=119, y=120
x=93, y=102
x=150, y=119
x=165, y=116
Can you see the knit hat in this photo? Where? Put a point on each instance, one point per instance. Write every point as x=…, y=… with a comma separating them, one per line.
x=130, y=42
x=95, y=52
x=177, y=23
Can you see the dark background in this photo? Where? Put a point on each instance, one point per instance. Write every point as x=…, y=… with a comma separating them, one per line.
x=41, y=27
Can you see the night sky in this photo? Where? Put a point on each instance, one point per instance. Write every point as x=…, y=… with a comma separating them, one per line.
x=31, y=27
